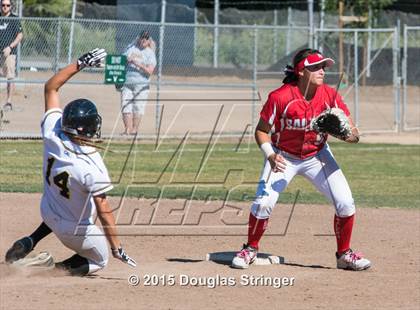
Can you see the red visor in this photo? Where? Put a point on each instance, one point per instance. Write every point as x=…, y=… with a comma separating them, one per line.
x=311, y=60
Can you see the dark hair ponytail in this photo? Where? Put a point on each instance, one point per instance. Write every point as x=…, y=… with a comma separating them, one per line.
x=291, y=76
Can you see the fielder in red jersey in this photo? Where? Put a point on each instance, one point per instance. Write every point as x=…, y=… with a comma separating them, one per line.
x=292, y=148
x=290, y=115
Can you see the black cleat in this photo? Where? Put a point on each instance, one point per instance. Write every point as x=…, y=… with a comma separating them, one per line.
x=19, y=249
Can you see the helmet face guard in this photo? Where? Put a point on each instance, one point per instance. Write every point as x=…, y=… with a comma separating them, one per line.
x=81, y=118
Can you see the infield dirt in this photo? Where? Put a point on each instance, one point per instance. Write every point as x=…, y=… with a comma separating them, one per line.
x=388, y=237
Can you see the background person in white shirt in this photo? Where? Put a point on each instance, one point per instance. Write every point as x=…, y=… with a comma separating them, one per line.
x=141, y=62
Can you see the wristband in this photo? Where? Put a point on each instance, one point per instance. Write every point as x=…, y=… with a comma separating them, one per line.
x=267, y=149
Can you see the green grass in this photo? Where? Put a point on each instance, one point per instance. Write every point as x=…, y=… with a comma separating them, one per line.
x=380, y=175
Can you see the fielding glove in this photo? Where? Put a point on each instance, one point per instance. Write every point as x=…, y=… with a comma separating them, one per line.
x=333, y=122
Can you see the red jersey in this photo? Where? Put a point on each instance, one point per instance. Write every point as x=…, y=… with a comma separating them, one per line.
x=290, y=116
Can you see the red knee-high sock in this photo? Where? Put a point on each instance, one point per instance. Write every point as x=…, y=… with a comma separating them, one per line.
x=343, y=226
x=256, y=228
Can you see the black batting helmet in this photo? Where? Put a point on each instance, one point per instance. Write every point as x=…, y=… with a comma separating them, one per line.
x=81, y=118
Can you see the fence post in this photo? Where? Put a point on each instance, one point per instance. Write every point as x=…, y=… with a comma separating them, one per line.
x=289, y=27
x=73, y=15
x=160, y=64
x=404, y=77
x=276, y=37
x=57, y=46
x=311, y=22
x=18, y=56
x=322, y=15
x=369, y=42
x=321, y=27
x=356, y=77
x=216, y=35
x=195, y=29
x=254, y=77
x=396, y=79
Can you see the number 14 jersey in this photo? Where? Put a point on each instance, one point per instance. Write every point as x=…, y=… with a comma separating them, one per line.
x=73, y=174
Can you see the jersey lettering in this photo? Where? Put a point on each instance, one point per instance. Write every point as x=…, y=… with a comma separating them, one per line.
x=60, y=180
x=48, y=172
x=293, y=124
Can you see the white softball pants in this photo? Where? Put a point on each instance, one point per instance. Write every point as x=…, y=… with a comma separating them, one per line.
x=87, y=241
x=323, y=172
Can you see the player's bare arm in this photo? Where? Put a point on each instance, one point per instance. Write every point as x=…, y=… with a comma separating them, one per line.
x=262, y=137
x=107, y=220
x=52, y=100
x=108, y=224
x=92, y=58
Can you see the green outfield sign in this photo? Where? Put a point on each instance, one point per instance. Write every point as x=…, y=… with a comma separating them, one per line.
x=115, y=69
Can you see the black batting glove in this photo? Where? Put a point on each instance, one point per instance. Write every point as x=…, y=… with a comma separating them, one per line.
x=92, y=58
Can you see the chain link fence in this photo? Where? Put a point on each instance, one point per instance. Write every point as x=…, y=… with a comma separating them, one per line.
x=411, y=79
x=369, y=84
x=250, y=61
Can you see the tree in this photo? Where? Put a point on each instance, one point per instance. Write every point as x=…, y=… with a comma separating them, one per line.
x=47, y=8
x=359, y=9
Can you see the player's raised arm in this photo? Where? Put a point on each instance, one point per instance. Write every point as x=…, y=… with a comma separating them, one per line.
x=52, y=86
x=90, y=59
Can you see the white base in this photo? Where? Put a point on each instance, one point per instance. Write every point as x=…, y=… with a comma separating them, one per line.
x=262, y=258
